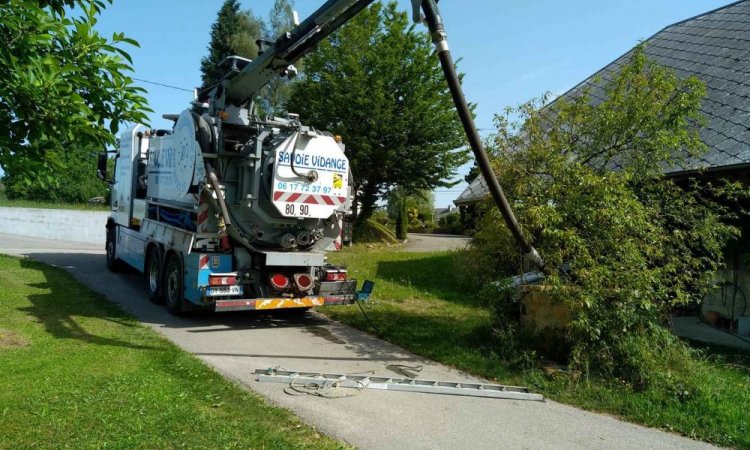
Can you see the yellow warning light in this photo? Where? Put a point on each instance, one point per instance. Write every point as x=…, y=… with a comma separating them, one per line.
x=223, y=115
x=337, y=138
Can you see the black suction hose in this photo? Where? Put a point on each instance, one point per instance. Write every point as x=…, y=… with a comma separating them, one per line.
x=439, y=38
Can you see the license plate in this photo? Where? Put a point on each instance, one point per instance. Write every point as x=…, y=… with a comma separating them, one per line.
x=224, y=290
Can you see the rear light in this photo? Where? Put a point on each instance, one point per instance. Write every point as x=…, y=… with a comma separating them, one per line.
x=303, y=281
x=279, y=281
x=336, y=275
x=222, y=281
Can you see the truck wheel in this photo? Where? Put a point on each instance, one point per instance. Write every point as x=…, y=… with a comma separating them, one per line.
x=114, y=264
x=153, y=277
x=173, y=285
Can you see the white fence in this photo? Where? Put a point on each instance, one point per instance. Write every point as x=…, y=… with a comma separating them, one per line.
x=58, y=224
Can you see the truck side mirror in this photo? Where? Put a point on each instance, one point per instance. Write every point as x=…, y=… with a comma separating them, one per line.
x=101, y=167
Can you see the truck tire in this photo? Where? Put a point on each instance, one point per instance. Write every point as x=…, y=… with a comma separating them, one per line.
x=174, y=285
x=114, y=264
x=153, y=274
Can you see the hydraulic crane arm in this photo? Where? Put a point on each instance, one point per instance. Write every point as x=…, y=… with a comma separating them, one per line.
x=293, y=45
x=289, y=48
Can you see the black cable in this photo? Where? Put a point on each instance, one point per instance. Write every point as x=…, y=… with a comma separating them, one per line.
x=435, y=25
x=161, y=84
x=359, y=303
x=353, y=291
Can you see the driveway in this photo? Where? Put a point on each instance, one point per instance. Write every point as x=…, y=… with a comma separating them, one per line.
x=237, y=344
x=418, y=242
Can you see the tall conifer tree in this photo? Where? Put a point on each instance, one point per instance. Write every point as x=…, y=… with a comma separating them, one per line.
x=233, y=33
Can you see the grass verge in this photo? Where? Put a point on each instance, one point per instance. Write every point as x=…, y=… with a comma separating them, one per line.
x=417, y=305
x=50, y=205
x=78, y=372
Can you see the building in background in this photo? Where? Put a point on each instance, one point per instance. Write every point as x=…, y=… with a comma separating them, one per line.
x=715, y=47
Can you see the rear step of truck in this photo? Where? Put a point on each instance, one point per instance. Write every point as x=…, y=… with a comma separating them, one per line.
x=282, y=303
x=328, y=299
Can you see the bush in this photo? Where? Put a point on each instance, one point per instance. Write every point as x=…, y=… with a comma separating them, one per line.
x=73, y=180
x=427, y=226
x=451, y=224
x=627, y=244
x=381, y=216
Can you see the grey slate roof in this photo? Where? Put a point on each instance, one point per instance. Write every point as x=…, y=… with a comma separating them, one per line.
x=476, y=190
x=715, y=47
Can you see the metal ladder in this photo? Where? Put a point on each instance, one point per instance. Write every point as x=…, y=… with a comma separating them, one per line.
x=398, y=384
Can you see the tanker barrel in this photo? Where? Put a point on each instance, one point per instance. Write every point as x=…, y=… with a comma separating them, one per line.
x=290, y=47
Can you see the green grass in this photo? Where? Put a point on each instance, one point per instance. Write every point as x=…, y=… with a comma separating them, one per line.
x=417, y=305
x=50, y=205
x=78, y=372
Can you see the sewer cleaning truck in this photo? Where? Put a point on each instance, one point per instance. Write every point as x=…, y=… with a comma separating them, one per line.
x=229, y=211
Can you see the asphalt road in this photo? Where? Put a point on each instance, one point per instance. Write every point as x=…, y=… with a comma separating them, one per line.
x=418, y=242
x=237, y=344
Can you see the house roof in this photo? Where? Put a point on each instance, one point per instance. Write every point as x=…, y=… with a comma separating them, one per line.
x=439, y=212
x=714, y=46
x=476, y=190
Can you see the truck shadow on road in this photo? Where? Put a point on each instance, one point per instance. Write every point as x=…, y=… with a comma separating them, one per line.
x=209, y=322
x=127, y=290
x=358, y=346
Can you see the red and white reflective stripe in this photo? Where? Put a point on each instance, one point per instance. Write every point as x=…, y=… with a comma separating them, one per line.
x=203, y=262
x=336, y=276
x=202, y=220
x=311, y=199
x=338, y=243
x=222, y=281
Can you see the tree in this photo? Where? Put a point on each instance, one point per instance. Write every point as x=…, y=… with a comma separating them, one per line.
x=472, y=174
x=376, y=83
x=233, y=33
x=419, y=203
x=626, y=242
x=61, y=84
x=275, y=94
x=76, y=184
x=281, y=18
x=406, y=208
x=402, y=218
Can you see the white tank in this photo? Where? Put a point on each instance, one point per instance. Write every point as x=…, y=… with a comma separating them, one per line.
x=285, y=186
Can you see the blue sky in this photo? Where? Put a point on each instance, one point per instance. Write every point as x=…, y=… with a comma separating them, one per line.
x=511, y=50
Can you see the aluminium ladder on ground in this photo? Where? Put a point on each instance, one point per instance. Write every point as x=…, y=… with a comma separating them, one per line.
x=397, y=384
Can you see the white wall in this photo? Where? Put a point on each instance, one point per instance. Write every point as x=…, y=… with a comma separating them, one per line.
x=58, y=224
